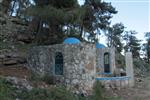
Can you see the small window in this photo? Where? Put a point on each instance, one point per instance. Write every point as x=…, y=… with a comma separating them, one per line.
x=59, y=63
x=106, y=63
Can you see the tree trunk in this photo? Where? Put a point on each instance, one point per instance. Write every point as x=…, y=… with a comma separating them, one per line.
x=6, y=6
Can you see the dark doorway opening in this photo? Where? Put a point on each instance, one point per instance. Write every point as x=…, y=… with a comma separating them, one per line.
x=58, y=63
x=106, y=63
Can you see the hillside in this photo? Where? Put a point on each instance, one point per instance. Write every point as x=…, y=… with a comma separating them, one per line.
x=18, y=83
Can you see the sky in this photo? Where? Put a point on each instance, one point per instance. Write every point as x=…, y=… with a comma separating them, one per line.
x=134, y=14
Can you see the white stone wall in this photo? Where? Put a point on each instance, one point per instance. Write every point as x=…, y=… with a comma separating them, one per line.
x=100, y=59
x=129, y=67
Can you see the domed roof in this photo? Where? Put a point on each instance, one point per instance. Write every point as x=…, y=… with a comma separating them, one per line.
x=99, y=45
x=71, y=40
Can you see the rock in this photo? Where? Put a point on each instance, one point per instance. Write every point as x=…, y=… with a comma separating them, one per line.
x=2, y=56
x=24, y=38
x=19, y=83
x=21, y=60
x=139, y=80
x=10, y=62
x=75, y=81
x=17, y=99
x=12, y=55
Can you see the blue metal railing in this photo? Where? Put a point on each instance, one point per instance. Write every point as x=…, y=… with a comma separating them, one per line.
x=113, y=78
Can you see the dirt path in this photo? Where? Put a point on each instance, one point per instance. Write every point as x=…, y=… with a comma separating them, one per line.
x=141, y=91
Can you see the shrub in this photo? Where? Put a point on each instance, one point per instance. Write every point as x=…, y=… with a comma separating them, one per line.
x=144, y=67
x=120, y=60
x=35, y=94
x=6, y=90
x=98, y=92
x=47, y=78
x=61, y=93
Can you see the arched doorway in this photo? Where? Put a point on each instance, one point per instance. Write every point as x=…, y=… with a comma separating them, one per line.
x=58, y=63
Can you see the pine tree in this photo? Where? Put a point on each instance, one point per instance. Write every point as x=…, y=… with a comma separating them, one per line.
x=50, y=17
x=5, y=6
x=64, y=18
x=97, y=17
x=114, y=36
x=147, y=46
x=132, y=43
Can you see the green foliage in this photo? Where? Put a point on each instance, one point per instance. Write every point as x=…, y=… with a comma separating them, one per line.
x=146, y=47
x=120, y=60
x=6, y=90
x=57, y=93
x=35, y=94
x=114, y=36
x=47, y=78
x=96, y=17
x=132, y=43
x=93, y=16
x=98, y=92
x=114, y=98
x=144, y=67
x=57, y=3
x=4, y=45
x=61, y=93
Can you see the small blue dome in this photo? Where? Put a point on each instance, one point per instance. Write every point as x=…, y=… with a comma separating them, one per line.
x=71, y=40
x=99, y=45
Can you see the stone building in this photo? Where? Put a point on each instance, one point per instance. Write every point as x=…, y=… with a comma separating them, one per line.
x=72, y=63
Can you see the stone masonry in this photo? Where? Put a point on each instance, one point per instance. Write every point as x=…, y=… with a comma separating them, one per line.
x=79, y=62
x=80, y=65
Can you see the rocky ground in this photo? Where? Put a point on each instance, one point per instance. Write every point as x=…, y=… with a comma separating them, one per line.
x=141, y=91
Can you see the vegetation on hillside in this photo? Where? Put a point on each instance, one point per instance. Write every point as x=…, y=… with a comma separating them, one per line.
x=9, y=92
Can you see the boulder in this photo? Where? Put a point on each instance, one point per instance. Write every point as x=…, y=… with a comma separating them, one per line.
x=9, y=61
x=19, y=83
x=24, y=38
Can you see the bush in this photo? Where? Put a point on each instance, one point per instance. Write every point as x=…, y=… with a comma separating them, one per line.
x=6, y=90
x=35, y=94
x=47, y=78
x=57, y=93
x=120, y=60
x=144, y=67
x=61, y=93
x=98, y=92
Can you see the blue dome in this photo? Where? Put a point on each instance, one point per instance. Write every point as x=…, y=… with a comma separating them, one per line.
x=71, y=40
x=99, y=45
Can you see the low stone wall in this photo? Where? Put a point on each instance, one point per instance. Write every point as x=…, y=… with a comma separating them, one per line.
x=115, y=82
